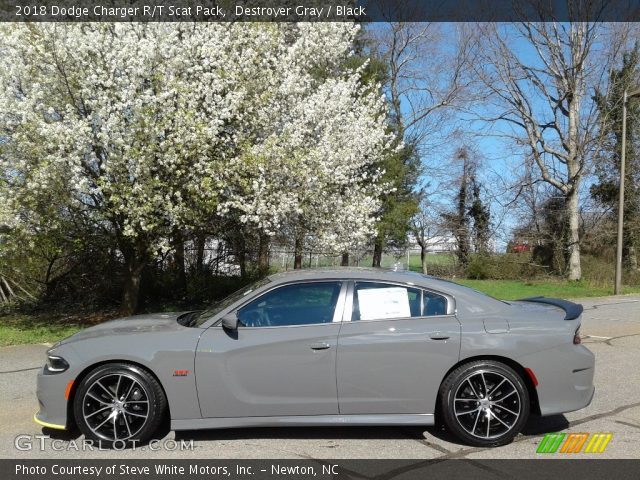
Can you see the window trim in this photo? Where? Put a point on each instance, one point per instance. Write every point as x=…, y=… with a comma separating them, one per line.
x=348, y=310
x=344, y=305
x=337, y=313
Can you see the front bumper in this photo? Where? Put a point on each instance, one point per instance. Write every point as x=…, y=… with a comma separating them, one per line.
x=55, y=426
x=565, y=376
x=53, y=392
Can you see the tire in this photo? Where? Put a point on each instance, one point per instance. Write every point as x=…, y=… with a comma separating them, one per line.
x=463, y=403
x=130, y=417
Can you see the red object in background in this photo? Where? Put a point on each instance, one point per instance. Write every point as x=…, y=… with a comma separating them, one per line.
x=520, y=248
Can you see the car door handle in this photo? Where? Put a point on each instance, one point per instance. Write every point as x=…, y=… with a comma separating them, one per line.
x=438, y=336
x=319, y=346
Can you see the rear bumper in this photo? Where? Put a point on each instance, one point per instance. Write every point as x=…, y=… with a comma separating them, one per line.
x=565, y=376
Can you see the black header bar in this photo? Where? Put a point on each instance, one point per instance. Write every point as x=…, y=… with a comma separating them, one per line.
x=318, y=10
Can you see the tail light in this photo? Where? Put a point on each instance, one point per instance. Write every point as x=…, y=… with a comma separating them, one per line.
x=576, y=337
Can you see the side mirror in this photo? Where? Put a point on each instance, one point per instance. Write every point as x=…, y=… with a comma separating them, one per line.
x=230, y=321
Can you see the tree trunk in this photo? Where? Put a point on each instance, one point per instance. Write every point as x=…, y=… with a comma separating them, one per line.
x=263, y=255
x=50, y=283
x=180, y=269
x=130, y=292
x=201, y=240
x=423, y=258
x=574, y=271
x=462, y=227
x=632, y=258
x=629, y=236
x=242, y=261
x=377, y=251
x=135, y=260
x=240, y=247
x=297, y=259
x=345, y=259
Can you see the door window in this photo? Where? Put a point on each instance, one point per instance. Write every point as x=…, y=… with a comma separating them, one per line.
x=296, y=304
x=379, y=301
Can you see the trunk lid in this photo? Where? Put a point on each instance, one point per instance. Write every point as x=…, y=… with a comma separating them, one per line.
x=571, y=310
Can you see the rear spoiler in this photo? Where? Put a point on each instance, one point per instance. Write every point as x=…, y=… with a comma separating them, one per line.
x=571, y=310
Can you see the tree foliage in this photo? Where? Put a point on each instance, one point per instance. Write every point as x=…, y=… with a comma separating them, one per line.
x=607, y=188
x=140, y=132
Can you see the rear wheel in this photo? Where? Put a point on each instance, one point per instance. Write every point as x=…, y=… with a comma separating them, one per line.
x=117, y=404
x=484, y=403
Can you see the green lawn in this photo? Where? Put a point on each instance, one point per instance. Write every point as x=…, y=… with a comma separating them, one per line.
x=19, y=329
x=515, y=289
x=415, y=264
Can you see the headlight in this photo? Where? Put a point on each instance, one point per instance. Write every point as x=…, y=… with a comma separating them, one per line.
x=55, y=364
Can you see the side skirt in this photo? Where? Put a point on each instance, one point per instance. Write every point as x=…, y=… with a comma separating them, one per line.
x=303, y=420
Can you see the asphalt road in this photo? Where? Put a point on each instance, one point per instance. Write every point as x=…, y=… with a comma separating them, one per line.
x=611, y=328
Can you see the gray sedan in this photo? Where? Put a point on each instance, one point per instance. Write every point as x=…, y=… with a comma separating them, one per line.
x=325, y=347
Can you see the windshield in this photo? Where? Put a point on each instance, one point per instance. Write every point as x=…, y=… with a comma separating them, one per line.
x=225, y=302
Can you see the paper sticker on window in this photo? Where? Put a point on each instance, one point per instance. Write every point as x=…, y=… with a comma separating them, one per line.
x=378, y=303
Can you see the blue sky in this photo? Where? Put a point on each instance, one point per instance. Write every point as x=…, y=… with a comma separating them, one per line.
x=501, y=159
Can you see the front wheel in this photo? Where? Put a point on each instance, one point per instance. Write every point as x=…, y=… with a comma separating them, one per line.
x=484, y=403
x=117, y=404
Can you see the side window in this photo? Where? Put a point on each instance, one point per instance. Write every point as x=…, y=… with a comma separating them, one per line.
x=433, y=304
x=297, y=304
x=379, y=301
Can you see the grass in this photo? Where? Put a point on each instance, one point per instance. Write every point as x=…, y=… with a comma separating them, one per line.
x=515, y=289
x=21, y=329
x=49, y=327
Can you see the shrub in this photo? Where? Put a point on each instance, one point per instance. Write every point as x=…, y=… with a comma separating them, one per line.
x=479, y=268
x=509, y=266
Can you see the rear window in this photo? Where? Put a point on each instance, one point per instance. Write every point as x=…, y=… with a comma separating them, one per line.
x=381, y=301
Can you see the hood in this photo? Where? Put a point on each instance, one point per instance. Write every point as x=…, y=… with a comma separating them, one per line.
x=152, y=322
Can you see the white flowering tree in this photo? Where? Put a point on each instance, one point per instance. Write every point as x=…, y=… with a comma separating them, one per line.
x=130, y=122
x=143, y=129
x=310, y=170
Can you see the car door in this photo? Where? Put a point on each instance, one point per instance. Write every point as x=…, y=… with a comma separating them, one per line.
x=280, y=361
x=395, y=346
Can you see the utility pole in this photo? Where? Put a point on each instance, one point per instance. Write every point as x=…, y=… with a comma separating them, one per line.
x=625, y=97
